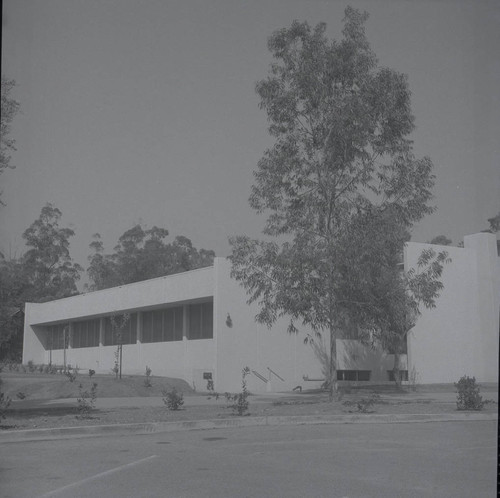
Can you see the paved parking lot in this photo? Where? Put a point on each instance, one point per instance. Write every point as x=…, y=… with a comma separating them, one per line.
x=447, y=459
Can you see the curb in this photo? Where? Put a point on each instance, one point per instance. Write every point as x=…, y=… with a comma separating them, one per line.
x=187, y=425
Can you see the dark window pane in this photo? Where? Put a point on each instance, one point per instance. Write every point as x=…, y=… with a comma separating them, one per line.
x=147, y=326
x=157, y=326
x=194, y=321
x=207, y=331
x=178, y=325
x=108, y=332
x=76, y=335
x=168, y=324
x=133, y=328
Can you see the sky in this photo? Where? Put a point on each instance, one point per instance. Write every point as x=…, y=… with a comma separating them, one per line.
x=145, y=111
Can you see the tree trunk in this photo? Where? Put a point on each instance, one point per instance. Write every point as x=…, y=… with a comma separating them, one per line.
x=397, y=368
x=121, y=348
x=332, y=380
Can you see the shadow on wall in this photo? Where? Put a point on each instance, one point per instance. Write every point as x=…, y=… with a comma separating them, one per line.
x=354, y=356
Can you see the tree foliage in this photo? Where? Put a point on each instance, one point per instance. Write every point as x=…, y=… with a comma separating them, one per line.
x=399, y=298
x=142, y=254
x=45, y=272
x=494, y=223
x=342, y=163
x=441, y=240
x=9, y=109
x=13, y=287
x=50, y=271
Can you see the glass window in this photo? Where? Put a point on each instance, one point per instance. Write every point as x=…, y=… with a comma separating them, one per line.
x=201, y=321
x=147, y=326
x=157, y=326
x=162, y=325
x=168, y=324
x=85, y=334
x=128, y=331
x=55, y=336
x=178, y=323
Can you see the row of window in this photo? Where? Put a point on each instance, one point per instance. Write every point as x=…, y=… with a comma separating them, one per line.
x=162, y=325
x=364, y=375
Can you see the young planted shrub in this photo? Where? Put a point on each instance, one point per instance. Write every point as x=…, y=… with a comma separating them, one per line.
x=468, y=397
x=71, y=375
x=4, y=402
x=147, y=380
x=239, y=402
x=173, y=399
x=86, y=400
x=364, y=405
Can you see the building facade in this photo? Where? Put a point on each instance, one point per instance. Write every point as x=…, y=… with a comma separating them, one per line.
x=198, y=326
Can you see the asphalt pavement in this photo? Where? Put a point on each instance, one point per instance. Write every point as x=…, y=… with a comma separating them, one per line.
x=446, y=460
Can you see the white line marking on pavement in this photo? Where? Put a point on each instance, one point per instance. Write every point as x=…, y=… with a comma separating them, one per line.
x=97, y=476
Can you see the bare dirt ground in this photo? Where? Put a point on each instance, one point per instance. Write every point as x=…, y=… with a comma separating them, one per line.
x=32, y=412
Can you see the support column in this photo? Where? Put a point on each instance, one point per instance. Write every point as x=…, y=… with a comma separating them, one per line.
x=185, y=359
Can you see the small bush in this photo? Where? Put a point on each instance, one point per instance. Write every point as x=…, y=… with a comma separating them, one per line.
x=239, y=402
x=468, y=397
x=173, y=399
x=147, y=380
x=71, y=375
x=20, y=395
x=86, y=400
x=364, y=405
x=91, y=372
x=4, y=404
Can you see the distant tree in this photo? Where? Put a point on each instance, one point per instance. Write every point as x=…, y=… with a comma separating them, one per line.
x=494, y=223
x=142, y=254
x=441, y=240
x=50, y=271
x=342, y=155
x=44, y=272
x=13, y=287
x=9, y=109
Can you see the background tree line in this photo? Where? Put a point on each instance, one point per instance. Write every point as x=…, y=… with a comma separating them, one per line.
x=46, y=271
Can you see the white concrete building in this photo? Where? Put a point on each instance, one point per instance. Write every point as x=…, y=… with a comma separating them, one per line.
x=461, y=335
x=197, y=325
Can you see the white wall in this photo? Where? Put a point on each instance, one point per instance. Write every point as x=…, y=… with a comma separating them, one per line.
x=164, y=358
x=460, y=336
x=248, y=343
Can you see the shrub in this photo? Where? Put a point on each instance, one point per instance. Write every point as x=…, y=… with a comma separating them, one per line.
x=4, y=404
x=468, y=397
x=91, y=372
x=364, y=405
x=173, y=399
x=239, y=402
x=147, y=380
x=86, y=400
x=71, y=375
